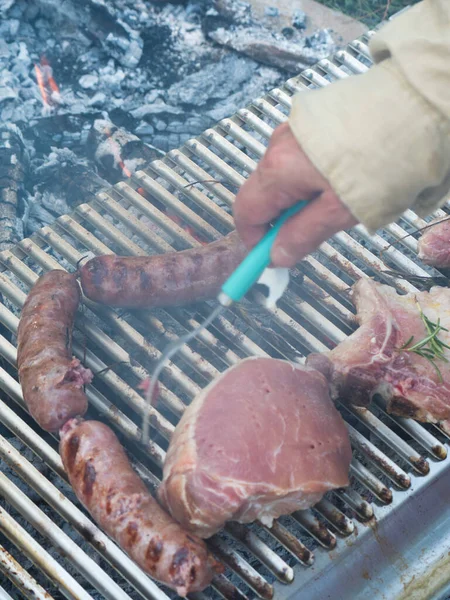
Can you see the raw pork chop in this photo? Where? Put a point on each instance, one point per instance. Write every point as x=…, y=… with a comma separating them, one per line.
x=370, y=361
x=434, y=244
x=262, y=440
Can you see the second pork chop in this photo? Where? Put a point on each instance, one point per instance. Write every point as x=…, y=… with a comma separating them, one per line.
x=375, y=360
x=434, y=244
x=262, y=440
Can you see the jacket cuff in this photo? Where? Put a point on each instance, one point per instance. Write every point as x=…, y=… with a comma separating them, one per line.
x=377, y=141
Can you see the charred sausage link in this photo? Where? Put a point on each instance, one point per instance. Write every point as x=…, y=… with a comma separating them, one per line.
x=105, y=483
x=51, y=379
x=172, y=279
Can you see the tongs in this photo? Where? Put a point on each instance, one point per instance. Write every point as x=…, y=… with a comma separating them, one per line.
x=233, y=290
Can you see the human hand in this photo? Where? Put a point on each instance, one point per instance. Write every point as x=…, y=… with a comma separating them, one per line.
x=284, y=176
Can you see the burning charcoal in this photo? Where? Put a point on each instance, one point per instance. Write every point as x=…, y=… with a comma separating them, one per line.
x=7, y=93
x=150, y=112
x=65, y=181
x=117, y=152
x=12, y=173
x=172, y=131
x=234, y=11
x=117, y=38
x=321, y=38
x=299, y=19
x=5, y=5
x=271, y=11
x=88, y=82
x=4, y=49
x=288, y=33
x=61, y=130
x=212, y=82
x=35, y=215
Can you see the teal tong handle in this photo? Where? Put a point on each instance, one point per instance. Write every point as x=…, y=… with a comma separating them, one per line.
x=258, y=259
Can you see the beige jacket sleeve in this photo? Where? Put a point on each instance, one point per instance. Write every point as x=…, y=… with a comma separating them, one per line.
x=382, y=139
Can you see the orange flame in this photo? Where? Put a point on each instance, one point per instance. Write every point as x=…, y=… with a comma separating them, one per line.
x=124, y=168
x=41, y=84
x=47, y=85
x=50, y=80
x=116, y=152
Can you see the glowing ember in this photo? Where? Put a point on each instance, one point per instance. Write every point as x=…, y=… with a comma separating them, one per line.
x=188, y=228
x=174, y=217
x=124, y=168
x=40, y=82
x=116, y=153
x=48, y=87
x=49, y=75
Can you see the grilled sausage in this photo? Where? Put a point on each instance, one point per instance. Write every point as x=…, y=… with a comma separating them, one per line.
x=105, y=483
x=51, y=378
x=172, y=279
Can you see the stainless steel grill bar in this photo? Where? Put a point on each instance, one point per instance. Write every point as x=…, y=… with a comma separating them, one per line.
x=428, y=441
x=5, y=596
x=82, y=524
x=343, y=525
x=298, y=550
x=62, y=542
x=20, y=578
x=215, y=187
x=392, y=439
x=242, y=568
x=315, y=528
x=235, y=131
x=378, y=459
x=370, y=482
x=362, y=509
x=48, y=565
x=227, y=590
x=216, y=164
x=350, y=62
x=278, y=567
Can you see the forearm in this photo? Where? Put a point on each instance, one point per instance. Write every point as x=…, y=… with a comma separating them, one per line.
x=382, y=139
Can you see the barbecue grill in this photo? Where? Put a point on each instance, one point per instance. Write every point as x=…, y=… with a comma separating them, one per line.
x=386, y=536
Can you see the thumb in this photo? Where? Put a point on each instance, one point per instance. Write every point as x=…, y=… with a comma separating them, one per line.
x=305, y=231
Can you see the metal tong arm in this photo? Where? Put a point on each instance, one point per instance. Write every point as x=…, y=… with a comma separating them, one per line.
x=253, y=265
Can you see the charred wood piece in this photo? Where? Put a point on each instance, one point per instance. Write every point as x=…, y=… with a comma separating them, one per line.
x=273, y=49
x=117, y=152
x=13, y=167
x=66, y=181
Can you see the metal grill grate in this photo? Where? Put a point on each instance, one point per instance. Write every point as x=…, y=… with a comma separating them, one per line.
x=369, y=531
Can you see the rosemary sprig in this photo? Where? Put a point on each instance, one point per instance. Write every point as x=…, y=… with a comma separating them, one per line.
x=431, y=347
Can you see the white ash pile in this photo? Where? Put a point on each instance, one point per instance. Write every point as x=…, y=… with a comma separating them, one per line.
x=158, y=72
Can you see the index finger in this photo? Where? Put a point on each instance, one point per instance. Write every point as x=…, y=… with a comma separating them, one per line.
x=283, y=177
x=255, y=207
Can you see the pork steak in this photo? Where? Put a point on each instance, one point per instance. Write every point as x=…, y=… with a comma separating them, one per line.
x=262, y=440
x=371, y=361
x=434, y=244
